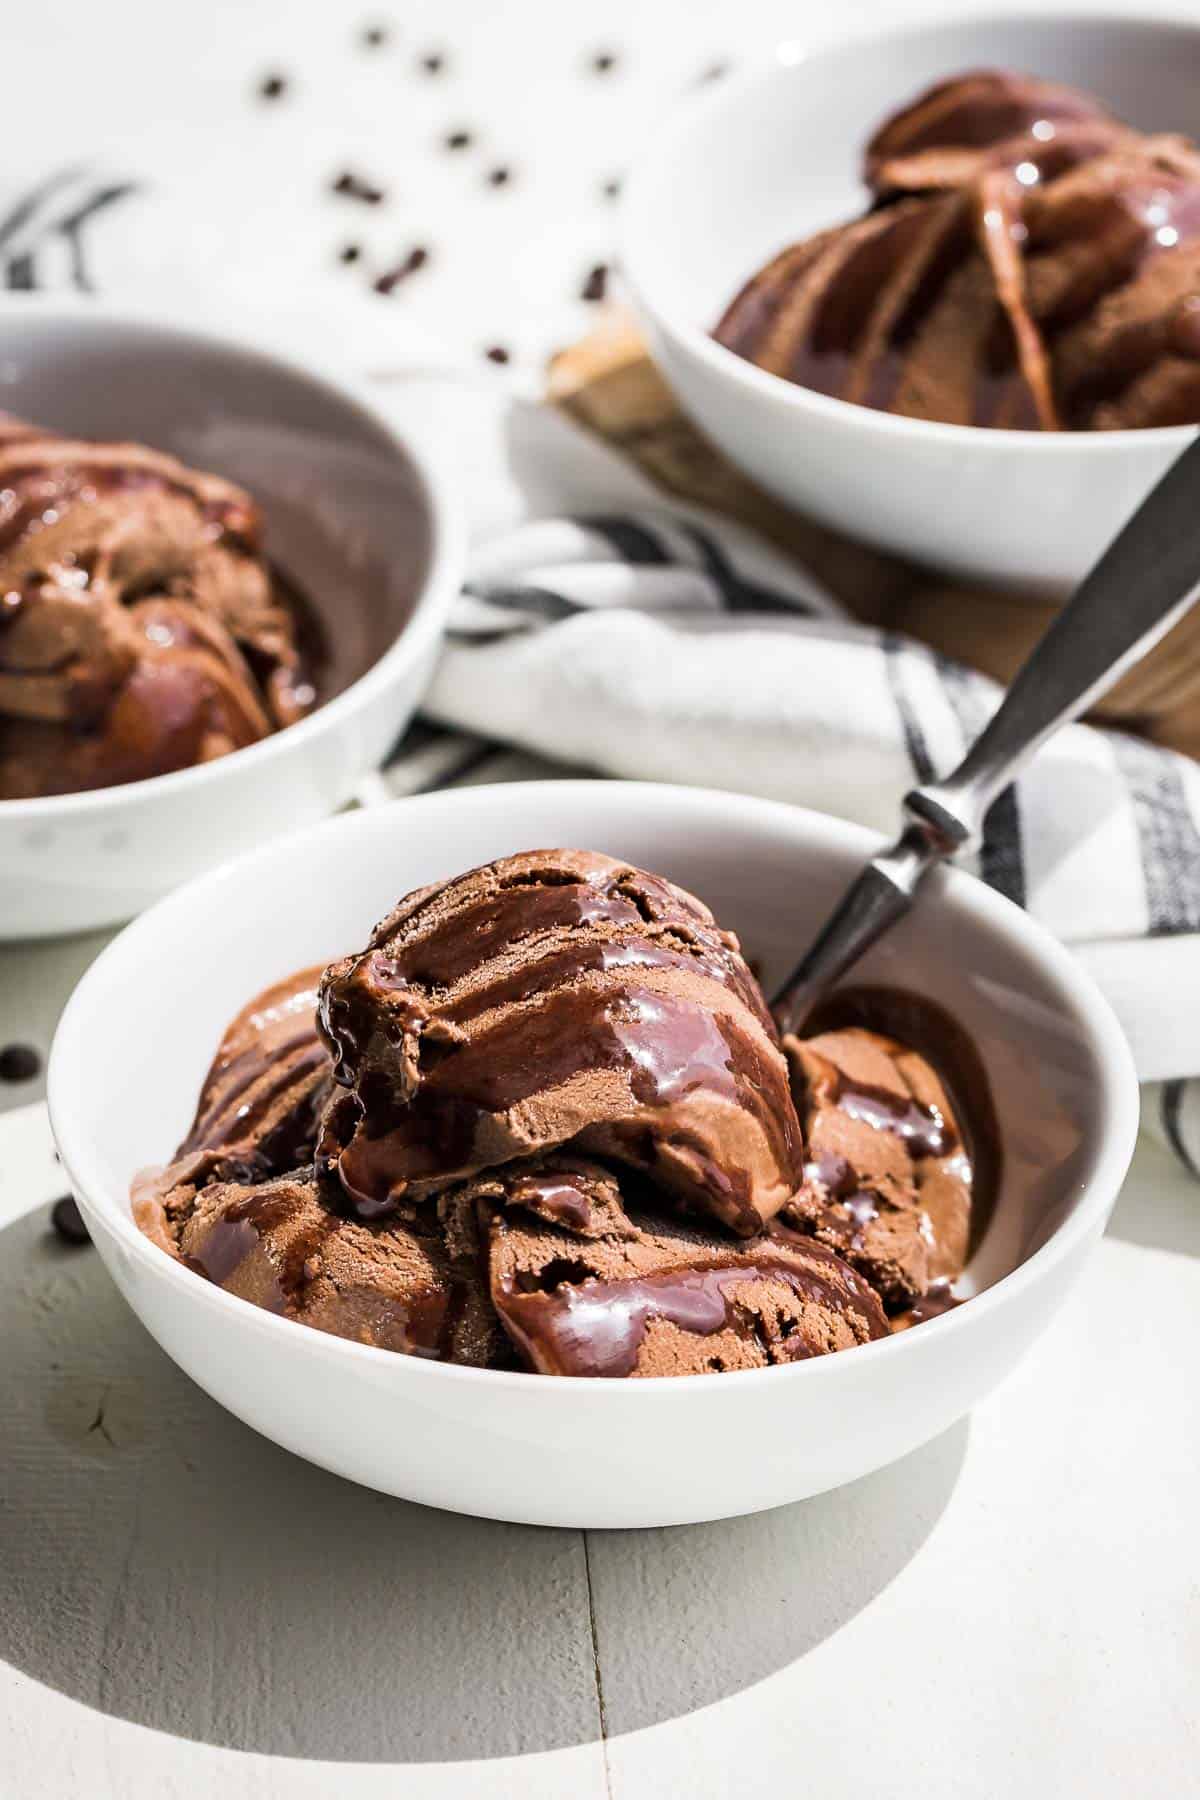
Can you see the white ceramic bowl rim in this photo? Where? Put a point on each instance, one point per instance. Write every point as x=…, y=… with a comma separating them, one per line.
x=1101, y=1180
x=638, y=223
x=447, y=544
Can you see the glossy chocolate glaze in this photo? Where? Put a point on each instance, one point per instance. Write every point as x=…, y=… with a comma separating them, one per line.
x=980, y=110
x=272, y=1228
x=940, y=1299
x=262, y=1098
x=596, y=1328
x=149, y=640
x=922, y=1025
x=923, y=1129
x=39, y=487
x=552, y=1196
x=1009, y=275
x=477, y=1002
x=668, y=1049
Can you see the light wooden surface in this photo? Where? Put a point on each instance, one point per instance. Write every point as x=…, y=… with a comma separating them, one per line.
x=185, y=1607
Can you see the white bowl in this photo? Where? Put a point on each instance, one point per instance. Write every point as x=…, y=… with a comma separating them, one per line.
x=764, y=159
x=357, y=516
x=136, y=1037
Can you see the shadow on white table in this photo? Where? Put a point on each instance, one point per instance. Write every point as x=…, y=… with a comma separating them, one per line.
x=162, y=1564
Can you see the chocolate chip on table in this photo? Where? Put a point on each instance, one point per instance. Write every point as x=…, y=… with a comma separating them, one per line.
x=416, y=259
x=500, y=176
x=497, y=353
x=19, y=1062
x=596, y=284
x=67, y=1220
x=272, y=87
x=349, y=253
x=375, y=36
x=355, y=188
x=603, y=62
x=714, y=72
x=611, y=188
x=457, y=140
x=433, y=63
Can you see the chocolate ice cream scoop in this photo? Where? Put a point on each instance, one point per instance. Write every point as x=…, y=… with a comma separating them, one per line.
x=888, y=1182
x=557, y=997
x=141, y=631
x=586, y=1284
x=956, y=127
x=279, y=1245
x=1029, y=263
x=258, y=1108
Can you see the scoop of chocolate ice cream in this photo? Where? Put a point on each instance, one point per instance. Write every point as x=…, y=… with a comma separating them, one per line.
x=279, y=1245
x=946, y=135
x=141, y=630
x=1029, y=263
x=552, y=998
x=553, y=1127
x=888, y=1182
x=585, y=1283
x=258, y=1108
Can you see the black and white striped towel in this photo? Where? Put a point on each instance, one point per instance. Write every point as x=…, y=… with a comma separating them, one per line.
x=669, y=645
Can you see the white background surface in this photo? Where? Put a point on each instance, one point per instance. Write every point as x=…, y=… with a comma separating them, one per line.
x=184, y=1608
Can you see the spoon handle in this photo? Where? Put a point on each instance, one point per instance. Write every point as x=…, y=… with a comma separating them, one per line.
x=1143, y=584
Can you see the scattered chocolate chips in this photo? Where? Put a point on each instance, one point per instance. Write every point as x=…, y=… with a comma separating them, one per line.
x=416, y=259
x=19, y=1062
x=67, y=1220
x=497, y=353
x=349, y=253
x=433, y=63
x=596, y=284
x=375, y=36
x=272, y=87
x=500, y=176
x=457, y=140
x=355, y=188
x=603, y=62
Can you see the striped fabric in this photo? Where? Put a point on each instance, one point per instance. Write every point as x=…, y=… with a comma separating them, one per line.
x=674, y=647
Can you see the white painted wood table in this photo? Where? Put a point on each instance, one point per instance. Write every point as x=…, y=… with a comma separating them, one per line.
x=186, y=1609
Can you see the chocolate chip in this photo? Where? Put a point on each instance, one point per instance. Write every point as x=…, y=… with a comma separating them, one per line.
x=19, y=1062
x=611, y=188
x=497, y=353
x=272, y=87
x=67, y=1220
x=596, y=285
x=433, y=63
x=457, y=140
x=416, y=259
x=375, y=36
x=603, y=62
x=355, y=188
x=714, y=72
x=499, y=176
x=349, y=253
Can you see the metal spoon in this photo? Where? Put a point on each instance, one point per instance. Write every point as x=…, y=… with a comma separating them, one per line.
x=1143, y=584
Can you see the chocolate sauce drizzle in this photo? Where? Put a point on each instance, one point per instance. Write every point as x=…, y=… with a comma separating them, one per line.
x=596, y=1327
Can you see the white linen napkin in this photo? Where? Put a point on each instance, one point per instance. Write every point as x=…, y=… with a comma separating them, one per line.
x=603, y=627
